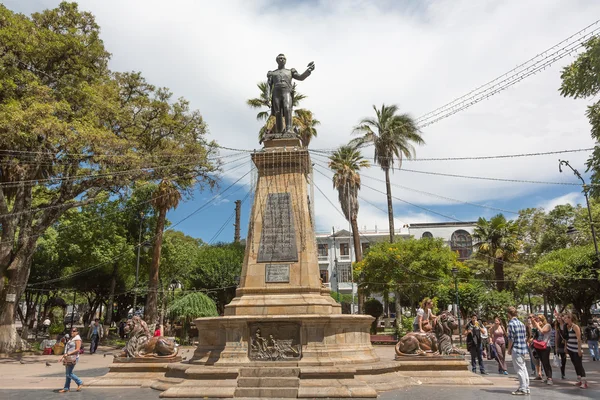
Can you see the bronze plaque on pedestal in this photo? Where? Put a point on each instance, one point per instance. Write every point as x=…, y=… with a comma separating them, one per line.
x=277, y=273
x=275, y=341
x=278, y=236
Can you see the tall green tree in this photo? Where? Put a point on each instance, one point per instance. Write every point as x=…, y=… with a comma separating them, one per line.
x=263, y=104
x=411, y=267
x=393, y=136
x=218, y=268
x=581, y=79
x=346, y=163
x=497, y=241
x=70, y=130
x=166, y=197
x=305, y=124
x=566, y=277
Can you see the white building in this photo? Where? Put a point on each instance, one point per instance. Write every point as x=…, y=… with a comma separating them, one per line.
x=340, y=245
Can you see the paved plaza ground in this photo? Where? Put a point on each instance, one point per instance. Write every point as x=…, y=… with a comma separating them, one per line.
x=30, y=378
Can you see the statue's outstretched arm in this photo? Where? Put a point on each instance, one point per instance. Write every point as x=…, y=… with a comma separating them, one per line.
x=305, y=74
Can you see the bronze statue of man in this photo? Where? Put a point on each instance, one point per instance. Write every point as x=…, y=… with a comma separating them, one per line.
x=280, y=83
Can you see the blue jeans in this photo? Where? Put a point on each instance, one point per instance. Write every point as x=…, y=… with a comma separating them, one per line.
x=593, y=344
x=70, y=375
x=476, y=351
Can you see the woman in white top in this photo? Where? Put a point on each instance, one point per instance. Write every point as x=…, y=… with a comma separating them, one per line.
x=69, y=359
x=424, y=316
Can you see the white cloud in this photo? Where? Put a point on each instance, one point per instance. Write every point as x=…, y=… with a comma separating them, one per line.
x=573, y=199
x=418, y=55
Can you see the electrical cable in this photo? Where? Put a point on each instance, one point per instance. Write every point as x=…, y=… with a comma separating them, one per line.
x=199, y=209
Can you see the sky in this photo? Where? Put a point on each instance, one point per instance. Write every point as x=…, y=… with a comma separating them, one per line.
x=418, y=55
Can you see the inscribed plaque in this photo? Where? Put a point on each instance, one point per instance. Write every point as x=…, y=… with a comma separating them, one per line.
x=278, y=236
x=277, y=273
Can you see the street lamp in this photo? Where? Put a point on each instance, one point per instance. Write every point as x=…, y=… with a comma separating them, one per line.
x=586, y=189
x=455, y=274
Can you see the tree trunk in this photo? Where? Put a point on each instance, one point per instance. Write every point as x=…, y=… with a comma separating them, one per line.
x=13, y=282
x=163, y=312
x=398, y=310
x=386, y=309
x=388, y=188
x=150, y=311
x=499, y=272
x=111, y=296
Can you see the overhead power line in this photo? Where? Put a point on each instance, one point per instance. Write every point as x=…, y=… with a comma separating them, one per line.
x=493, y=179
x=94, y=267
x=40, y=209
x=325, y=153
x=528, y=68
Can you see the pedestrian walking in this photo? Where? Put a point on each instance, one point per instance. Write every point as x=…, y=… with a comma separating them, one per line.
x=560, y=341
x=69, y=360
x=497, y=334
x=517, y=347
x=95, y=333
x=592, y=333
x=474, y=344
x=542, y=345
x=422, y=321
x=575, y=350
x=485, y=342
x=122, y=329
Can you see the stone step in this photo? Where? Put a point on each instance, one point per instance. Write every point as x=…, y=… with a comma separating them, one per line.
x=198, y=392
x=269, y=372
x=271, y=392
x=268, y=382
x=201, y=372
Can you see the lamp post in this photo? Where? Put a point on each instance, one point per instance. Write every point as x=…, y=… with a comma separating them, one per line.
x=335, y=266
x=586, y=189
x=455, y=274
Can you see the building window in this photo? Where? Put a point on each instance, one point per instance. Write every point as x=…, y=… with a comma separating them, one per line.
x=324, y=275
x=344, y=249
x=427, y=235
x=344, y=272
x=365, y=247
x=323, y=249
x=462, y=243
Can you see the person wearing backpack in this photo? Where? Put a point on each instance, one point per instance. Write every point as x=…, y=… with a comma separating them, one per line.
x=592, y=333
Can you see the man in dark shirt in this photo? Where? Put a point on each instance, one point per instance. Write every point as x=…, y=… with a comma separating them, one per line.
x=474, y=344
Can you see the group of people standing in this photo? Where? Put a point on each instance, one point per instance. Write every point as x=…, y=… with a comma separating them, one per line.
x=537, y=337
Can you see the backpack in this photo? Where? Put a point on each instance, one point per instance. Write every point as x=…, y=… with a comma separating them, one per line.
x=594, y=334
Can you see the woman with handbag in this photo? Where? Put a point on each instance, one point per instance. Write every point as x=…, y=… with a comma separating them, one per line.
x=69, y=359
x=573, y=347
x=541, y=345
x=497, y=333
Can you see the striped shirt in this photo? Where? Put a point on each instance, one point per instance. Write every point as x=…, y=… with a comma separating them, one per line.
x=572, y=344
x=517, y=335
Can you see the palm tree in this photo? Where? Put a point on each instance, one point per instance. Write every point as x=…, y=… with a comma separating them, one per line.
x=263, y=103
x=497, y=241
x=305, y=124
x=346, y=163
x=165, y=197
x=392, y=135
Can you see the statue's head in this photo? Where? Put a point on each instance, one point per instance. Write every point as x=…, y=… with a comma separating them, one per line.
x=281, y=60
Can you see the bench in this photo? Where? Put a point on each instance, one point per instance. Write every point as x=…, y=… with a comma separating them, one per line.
x=384, y=339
